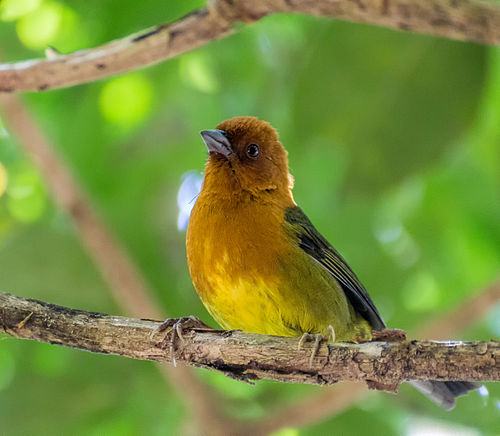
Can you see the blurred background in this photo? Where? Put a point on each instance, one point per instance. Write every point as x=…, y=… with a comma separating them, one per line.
x=394, y=142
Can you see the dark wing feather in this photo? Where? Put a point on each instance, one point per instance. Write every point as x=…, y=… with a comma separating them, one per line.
x=311, y=241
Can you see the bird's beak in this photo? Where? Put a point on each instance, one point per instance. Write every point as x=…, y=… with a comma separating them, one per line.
x=217, y=142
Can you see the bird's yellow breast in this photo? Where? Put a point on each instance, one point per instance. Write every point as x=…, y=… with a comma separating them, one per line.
x=251, y=274
x=233, y=257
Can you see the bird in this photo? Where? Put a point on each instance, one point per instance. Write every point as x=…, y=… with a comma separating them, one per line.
x=258, y=263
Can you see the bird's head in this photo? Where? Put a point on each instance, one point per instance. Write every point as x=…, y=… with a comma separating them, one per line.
x=246, y=152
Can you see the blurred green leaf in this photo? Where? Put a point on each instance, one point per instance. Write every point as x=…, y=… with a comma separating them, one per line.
x=126, y=100
x=26, y=195
x=11, y=10
x=7, y=366
x=40, y=28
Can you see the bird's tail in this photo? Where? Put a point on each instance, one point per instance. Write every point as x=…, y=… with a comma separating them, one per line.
x=444, y=393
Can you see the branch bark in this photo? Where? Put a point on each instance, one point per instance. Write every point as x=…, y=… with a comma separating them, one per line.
x=465, y=20
x=246, y=356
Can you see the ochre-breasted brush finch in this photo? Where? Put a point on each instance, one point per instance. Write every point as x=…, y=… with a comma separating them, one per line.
x=256, y=260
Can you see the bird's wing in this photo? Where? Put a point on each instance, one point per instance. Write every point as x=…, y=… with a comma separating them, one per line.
x=316, y=246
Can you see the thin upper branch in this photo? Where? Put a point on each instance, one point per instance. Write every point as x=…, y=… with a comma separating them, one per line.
x=465, y=20
x=251, y=356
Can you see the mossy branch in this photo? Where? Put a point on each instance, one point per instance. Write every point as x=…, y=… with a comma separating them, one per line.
x=466, y=20
x=382, y=365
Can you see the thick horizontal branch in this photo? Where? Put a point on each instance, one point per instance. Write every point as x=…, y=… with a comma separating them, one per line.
x=251, y=356
x=466, y=20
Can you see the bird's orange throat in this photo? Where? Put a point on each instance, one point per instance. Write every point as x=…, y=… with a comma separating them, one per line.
x=220, y=179
x=227, y=178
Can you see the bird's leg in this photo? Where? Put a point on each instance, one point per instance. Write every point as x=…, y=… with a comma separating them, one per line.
x=331, y=334
x=318, y=338
x=176, y=332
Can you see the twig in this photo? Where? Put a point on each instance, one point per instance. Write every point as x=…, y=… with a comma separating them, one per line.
x=466, y=20
x=251, y=356
x=125, y=281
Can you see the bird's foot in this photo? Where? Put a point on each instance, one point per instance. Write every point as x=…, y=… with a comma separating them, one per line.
x=177, y=328
x=187, y=322
x=306, y=337
x=317, y=338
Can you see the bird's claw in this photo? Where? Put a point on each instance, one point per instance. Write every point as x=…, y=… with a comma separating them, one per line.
x=318, y=338
x=306, y=337
x=176, y=333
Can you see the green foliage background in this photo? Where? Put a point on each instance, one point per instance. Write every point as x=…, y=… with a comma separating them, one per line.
x=393, y=140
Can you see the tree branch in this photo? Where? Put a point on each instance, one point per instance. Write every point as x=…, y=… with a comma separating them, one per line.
x=382, y=365
x=465, y=20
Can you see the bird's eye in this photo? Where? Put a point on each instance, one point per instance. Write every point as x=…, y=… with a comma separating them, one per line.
x=253, y=151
